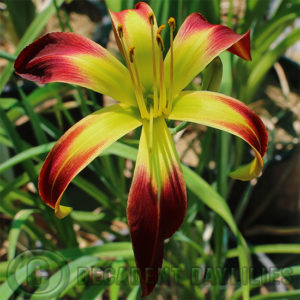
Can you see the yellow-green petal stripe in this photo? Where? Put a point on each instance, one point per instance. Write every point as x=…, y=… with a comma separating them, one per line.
x=78, y=147
x=71, y=58
x=228, y=114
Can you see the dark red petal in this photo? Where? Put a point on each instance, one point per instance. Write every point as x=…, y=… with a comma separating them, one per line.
x=142, y=215
x=154, y=216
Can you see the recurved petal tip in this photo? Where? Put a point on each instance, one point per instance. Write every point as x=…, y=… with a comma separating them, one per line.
x=62, y=211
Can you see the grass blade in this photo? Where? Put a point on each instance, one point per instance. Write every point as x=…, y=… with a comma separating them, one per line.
x=270, y=277
x=25, y=155
x=15, y=231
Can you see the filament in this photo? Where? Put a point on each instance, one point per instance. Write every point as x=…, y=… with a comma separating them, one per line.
x=155, y=92
x=171, y=23
x=162, y=90
x=140, y=97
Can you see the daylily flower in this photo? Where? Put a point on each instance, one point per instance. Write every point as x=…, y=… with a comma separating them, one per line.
x=149, y=90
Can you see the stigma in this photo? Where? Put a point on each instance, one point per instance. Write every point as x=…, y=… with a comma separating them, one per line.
x=159, y=101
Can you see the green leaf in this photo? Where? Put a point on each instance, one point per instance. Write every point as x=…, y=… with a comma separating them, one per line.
x=85, y=216
x=266, y=62
x=38, y=97
x=4, y=156
x=21, y=14
x=118, y=267
x=7, y=56
x=7, y=289
x=270, y=32
x=134, y=293
x=15, y=231
x=94, y=292
x=210, y=10
x=24, y=155
x=295, y=294
x=270, y=277
x=179, y=236
x=255, y=11
x=62, y=284
x=114, y=5
x=121, y=150
x=117, y=249
x=17, y=143
x=3, y=270
x=7, y=103
x=91, y=190
x=34, y=119
x=273, y=248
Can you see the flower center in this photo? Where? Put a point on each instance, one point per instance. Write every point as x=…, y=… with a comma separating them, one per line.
x=159, y=102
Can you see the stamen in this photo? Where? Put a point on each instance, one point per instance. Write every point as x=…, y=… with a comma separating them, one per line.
x=151, y=18
x=131, y=53
x=160, y=42
x=172, y=25
x=135, y=79
x=140, y=97
x=162, y=90
x=120, y=31
x=160, y=29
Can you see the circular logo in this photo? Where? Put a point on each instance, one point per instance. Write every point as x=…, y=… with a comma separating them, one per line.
x=41, y=274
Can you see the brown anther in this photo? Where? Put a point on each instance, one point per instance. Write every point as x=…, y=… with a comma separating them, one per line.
x=160, y=42
x=151, y=18
x=120, y=30
x=160, y=29
x=131, y=54
x=172, y=23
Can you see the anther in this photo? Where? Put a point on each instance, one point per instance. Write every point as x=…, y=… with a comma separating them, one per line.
x=131, y=54
x=160, y=42
x=172, y=23
x=120, y=30
x=151, y=18
x=160, y=29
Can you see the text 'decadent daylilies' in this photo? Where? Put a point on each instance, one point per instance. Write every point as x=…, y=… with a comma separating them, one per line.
x=149, y=90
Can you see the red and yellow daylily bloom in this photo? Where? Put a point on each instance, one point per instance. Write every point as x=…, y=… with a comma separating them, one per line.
x=150, y=91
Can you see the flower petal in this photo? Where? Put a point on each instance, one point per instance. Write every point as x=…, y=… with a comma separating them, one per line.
x=157, y=201
x=137, y=34
x=78, y=147
x=197, y=43
x=68, y=57
x=228, y=114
